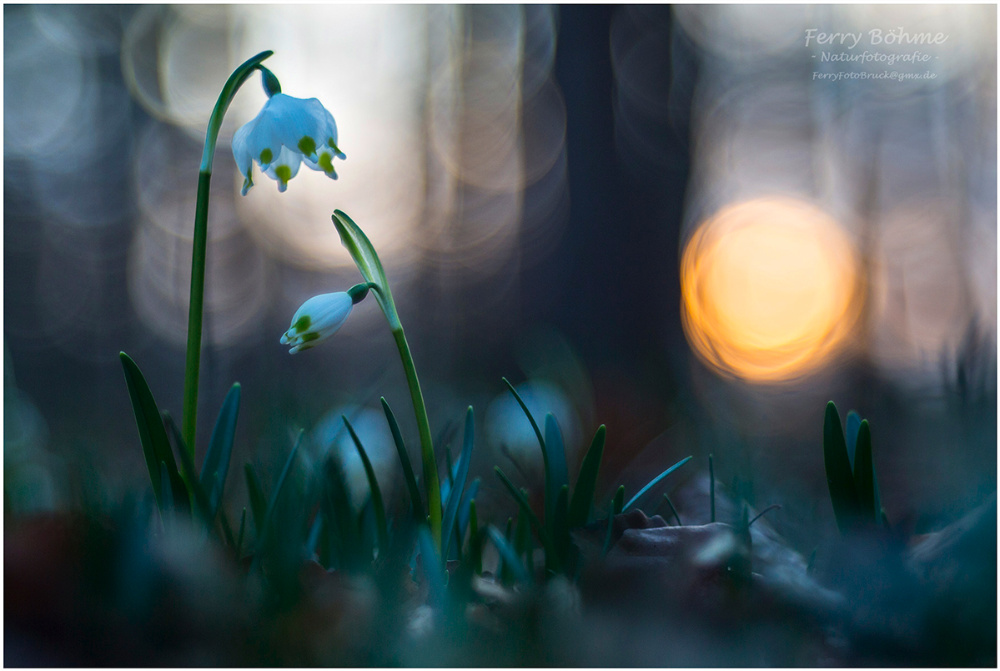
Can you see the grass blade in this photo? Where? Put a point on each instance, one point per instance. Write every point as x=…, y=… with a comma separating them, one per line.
x=711, y=488
x=615, y=509
x=556, y=474
x=586, y=481
x=404, y=460
x=462, y=472
x=376, y=494
x=187, y=468
x=475, y=543
x=216, y=465
x=337, y=509
x=504, y=569
x=522, y=539
x=527, y=413
x=239, y=537
x=673, y=510
x=466, y=505
x=839, y=475
x=560, y=525
x=508, y=555
x=152, y=436
x=433, y=569
x=851, y=434
x=652, y=483
x=864, y=474
x=167, y=514
x=258, y=505
x=522, y=501
x=280, y=484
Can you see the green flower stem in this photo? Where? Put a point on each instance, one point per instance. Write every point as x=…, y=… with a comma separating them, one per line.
x=366, y=258
x=199, y=247
x=431, y=483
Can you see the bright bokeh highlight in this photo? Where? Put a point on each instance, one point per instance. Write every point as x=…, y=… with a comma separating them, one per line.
x=770, y=289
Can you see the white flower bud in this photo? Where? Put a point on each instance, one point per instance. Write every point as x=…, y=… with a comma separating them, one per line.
x=318, y=319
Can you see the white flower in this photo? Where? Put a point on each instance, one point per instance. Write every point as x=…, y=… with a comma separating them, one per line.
x=318, y=319
x=286, y=132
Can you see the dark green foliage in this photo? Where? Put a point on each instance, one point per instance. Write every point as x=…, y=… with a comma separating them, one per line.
x=851, y=434
x=458, y=484
x=342, y=534
x=153, y=437
x=258, y=505
x=509, y=556
x=586, y=482
x=215, y=467
x=433, y=568
x=404, y=460
x=187, y=468
x=839, y=475
x=652, y=483
x=378, y=506
x=711, y=488
x=527, y=413
x=556, y=473
x=616, y=502
x=851, y=477
x=475, y=552
x=864, y=471
x=276, y=495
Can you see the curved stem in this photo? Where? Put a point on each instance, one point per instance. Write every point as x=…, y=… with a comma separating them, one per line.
x=431, y=482
x=199, y=247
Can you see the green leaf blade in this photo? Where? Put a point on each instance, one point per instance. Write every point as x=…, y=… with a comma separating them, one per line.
x=652, y=483
x=458, y=486
x=258, y=504
x=508, y=554
x=522, y=502
x=864, y=474
x=381, y=526
x=404, y=460
x=152, y=435
x=534, y=424
x=839, y=475
x=215, y=467
x=433, y=568
x=557, y=474
x=586, y=481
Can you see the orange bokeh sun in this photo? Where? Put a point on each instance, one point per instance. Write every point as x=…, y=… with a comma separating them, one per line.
x=771, y=289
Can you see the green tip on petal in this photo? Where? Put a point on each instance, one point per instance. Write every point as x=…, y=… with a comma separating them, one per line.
x=307, y=146
x=284, y=174
x=302, y=323
x=266, y=156
x=333, y=145
x=326, y=163
x=309, y=337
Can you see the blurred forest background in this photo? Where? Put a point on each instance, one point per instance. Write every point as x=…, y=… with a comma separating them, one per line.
x=649, y=217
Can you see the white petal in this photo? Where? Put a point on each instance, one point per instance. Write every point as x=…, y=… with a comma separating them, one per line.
x=241, y=150
x=328, y=312
x=286, y=159
x=301, y=121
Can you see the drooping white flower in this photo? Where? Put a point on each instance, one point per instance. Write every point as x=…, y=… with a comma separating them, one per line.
x=286, y=132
